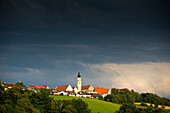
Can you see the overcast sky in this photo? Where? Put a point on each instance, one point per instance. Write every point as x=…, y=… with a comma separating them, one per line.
x=112, y=43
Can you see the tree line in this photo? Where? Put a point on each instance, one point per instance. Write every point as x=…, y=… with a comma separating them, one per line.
x=127, y=96
x=131, y=108
x=17, y=100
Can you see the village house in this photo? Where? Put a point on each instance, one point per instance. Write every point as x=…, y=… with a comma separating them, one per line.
x=87, y=88
x=37, y=88
x=53, y=91
x=10, y=85
x=66, y=89
x=84, y=95
x=79, y=90
x=102, y=91
x=7, y=85
x=124, y=89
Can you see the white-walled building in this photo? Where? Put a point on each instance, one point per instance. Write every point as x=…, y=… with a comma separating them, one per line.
x=64, y=88
x=75, y=89
x=102, y=91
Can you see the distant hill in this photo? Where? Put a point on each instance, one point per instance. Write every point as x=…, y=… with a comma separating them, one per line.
x=94, y=104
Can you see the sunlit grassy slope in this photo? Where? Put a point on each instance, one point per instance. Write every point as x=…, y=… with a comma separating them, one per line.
x=94, y=104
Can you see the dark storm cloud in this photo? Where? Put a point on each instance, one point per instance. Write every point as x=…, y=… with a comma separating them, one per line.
x=37, y=14
x=55, y=39
x=85, y=22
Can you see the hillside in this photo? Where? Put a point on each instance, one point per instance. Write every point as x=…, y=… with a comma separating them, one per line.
x=94, y=104
x=159, y=106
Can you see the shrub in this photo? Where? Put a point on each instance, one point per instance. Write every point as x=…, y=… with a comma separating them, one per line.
x=100, y=97
x=143, y=104
x=128, y=108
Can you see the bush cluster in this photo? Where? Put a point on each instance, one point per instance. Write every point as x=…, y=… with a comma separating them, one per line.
x=16, y=100
x=131, y=108
x=127, y=96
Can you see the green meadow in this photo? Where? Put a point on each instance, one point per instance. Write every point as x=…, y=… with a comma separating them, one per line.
x=94, y=104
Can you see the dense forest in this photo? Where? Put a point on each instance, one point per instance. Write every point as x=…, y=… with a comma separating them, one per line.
x=127, y=96
x=16, y=100
x=131, y=108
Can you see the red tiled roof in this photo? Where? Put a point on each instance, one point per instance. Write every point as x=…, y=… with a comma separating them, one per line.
x=53, y=90
x=85, y=87
x=37, y=87
x=30, y=86
x=101, y=90
x=123, y=89
x=62, y=88
x=9, y=84
x=74, y=87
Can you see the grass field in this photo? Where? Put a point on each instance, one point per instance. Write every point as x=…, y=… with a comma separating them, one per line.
x=94, y=104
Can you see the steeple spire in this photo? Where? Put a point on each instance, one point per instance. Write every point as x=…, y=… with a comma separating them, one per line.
x=78, y=74
x=19, y=80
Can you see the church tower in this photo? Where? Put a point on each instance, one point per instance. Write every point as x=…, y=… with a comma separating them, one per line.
x=79, y=81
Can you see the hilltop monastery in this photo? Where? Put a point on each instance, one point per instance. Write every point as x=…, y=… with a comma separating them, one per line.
x=79, y=90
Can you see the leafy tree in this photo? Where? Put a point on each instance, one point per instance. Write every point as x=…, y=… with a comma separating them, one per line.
x=108, y=97
x=156, y=105
x=128, y=108
x=132, y=91
x=16, y=100
x=137, y=96
x=130, y=98
x=123, y=98
x=126, y=92
x=69, y=109
x=153, y=98
x=100, y=97
x=58, y=106
x=114, y=91
x=81, y=106
x=113, y=99
x=1, y=89
x=19, y=84
x=70, y=106
x=41, y=100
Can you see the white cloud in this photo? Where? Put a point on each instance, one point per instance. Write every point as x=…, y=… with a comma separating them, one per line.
x=142, y=77
x=33, y=71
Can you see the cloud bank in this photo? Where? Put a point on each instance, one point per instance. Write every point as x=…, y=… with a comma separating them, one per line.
x=142, y=77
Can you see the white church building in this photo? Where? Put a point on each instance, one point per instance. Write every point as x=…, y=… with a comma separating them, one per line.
x=85, y=91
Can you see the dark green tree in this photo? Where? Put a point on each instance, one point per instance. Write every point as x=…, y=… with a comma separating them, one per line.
x=114, y=91
x=1, y=89
x=100, y=97
x=128, y=108
x=16, y=100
